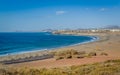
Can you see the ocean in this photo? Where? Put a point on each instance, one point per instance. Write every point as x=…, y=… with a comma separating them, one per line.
x=15, y=43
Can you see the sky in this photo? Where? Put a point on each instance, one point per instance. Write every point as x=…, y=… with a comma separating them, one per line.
x=36, y=15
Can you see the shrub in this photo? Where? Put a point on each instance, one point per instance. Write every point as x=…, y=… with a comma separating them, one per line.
x=60, y=53
x=103, y=53
x=92, y=54
x=53, y=53
x=81, y=52
x=58, y=57
x=68, y=56
x=79, y=56
x=73, y=52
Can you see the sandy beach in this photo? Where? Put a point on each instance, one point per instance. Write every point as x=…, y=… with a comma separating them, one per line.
x=108, y=43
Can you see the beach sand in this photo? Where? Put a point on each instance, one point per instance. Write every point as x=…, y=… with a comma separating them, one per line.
x=108, y=43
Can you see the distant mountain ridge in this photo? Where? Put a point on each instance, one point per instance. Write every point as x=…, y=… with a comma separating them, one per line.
x=112, y=27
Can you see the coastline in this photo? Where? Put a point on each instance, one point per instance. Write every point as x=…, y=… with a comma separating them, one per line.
x=43, y=51
x=108, y=43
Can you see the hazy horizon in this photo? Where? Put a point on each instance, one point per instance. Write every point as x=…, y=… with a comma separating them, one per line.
x=36, y=15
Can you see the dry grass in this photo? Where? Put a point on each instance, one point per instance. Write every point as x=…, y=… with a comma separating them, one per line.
x=110, y=67
x=67, y=54
x=104, y=54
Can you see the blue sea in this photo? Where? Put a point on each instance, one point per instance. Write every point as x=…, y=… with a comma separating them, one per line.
x=15, y=43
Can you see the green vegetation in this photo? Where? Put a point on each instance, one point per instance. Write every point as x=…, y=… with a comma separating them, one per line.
x=110, y=67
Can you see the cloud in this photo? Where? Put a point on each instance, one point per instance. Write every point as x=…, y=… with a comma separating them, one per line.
x=102, y=9
x=60, y=12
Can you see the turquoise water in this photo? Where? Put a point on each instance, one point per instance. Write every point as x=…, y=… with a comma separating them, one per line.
x=12, y=43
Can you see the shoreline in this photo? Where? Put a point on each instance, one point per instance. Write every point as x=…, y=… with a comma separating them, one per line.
x=108, y=43
x=94, y=39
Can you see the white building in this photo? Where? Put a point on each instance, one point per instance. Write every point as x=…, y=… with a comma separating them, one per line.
x=115, y=30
